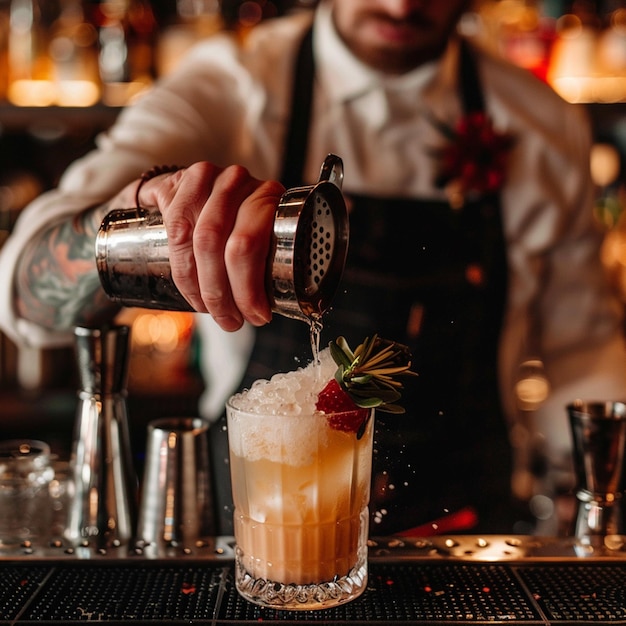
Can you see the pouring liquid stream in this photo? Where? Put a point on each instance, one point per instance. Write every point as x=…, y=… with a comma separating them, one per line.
x=315, y=332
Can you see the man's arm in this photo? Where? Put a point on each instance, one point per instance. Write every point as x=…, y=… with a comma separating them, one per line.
x=219, y=224
x=57, y=282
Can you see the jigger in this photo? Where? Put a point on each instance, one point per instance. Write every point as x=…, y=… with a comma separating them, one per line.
x=103, y=506
x=599, y=437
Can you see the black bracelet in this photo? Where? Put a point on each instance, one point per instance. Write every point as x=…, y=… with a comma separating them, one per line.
x=153, y=172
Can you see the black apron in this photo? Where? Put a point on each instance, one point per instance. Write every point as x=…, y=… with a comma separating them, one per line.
x=434, y=278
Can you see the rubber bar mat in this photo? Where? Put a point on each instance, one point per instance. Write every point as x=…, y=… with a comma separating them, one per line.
x=397, y=593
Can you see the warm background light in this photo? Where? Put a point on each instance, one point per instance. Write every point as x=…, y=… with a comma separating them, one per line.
x=605, y=164
x=161, y=346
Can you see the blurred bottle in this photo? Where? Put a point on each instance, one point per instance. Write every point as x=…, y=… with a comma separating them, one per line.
x=51, y=54
x=73, y=52
x=127, y=39
x=612, y=55
x=194, y=20
x=573, y=68
x=30, y=81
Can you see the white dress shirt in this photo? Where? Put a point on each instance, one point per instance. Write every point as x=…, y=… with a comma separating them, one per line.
x=230, y=104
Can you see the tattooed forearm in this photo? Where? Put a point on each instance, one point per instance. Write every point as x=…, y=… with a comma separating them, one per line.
x=57, y=282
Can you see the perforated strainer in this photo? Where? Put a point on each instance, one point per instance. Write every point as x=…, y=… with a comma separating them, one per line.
x=311, y=233
x=304, y=271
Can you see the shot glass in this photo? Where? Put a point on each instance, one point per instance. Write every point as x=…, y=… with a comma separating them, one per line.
x=176, y=505
x=301, y=493
x=25, y=474
x=599, y=437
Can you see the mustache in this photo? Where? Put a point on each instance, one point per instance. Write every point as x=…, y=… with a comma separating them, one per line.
x=414, y=19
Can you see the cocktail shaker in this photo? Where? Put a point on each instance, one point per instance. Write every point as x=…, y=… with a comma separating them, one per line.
x=307, y=260
x=102, y=509
x=176, y=504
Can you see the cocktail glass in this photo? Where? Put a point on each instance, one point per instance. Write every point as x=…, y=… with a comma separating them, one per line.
x=301, y=492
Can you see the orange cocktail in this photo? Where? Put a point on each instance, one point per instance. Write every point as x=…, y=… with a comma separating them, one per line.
x=301, y=491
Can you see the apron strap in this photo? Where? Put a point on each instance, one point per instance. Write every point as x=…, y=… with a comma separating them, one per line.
x=301, y=102
x=470, y=84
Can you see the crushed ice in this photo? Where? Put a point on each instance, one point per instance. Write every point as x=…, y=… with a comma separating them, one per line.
x=289, y=393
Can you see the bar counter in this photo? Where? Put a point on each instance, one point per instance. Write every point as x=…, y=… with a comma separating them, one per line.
x=435, y=580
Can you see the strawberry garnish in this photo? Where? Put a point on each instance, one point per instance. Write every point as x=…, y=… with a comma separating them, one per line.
x=365, y=379
x=344, y=414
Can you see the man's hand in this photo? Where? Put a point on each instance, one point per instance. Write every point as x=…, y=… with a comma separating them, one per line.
x=219, y=223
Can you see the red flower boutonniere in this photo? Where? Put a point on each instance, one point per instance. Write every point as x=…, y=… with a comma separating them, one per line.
x=474, y=161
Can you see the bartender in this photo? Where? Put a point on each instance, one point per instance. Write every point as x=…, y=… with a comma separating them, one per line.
x=472, y=236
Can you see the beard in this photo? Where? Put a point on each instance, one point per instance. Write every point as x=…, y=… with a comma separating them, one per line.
x=397, y=46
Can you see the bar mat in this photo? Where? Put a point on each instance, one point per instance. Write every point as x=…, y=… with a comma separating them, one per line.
x=578, y=592
x=397, y=593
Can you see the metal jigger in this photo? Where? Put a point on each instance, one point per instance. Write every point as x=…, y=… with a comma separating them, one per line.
x=103, y=507
x=599, y=435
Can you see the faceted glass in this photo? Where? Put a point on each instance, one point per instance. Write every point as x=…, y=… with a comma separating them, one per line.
x=301, y=493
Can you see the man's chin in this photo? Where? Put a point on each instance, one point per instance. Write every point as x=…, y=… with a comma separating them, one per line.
x=391, y=61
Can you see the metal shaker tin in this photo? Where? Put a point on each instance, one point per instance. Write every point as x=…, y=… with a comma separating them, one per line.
x=308, y=255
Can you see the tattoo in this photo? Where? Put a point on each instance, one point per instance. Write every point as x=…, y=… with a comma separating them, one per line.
x=57, y=282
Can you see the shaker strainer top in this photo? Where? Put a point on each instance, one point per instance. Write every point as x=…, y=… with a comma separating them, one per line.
x=311, y=231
